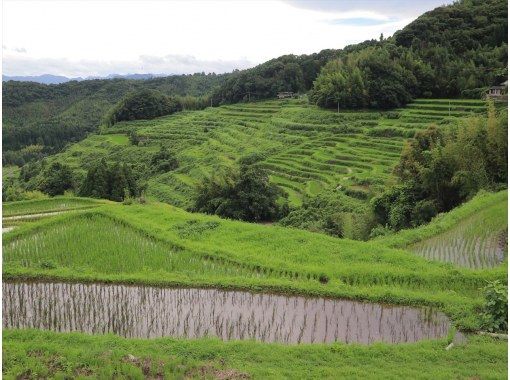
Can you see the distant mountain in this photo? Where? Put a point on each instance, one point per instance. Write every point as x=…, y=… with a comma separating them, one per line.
x=58, y=79
x=45, y=79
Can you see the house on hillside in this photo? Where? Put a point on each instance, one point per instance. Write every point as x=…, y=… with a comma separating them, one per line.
x=285, y=95
x=497, y=92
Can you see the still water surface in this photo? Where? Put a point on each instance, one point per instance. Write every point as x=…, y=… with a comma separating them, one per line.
x=148, y=312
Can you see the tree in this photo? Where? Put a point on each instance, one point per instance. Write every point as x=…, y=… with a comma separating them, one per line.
x=113, y=182
x=134, y=139
x=373, y=77
x=244, y=193
x=57, y=179
x=440, y=169
x=96, y=183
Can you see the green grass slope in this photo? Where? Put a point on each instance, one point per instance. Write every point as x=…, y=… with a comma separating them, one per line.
x=161, y=245
x=307, y=149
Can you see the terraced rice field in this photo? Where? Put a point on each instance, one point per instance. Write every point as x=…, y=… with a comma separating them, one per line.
x=307, y=149
x=479, y=241
x=115, y=248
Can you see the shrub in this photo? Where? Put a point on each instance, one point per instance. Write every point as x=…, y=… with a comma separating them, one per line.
x=163, y=161
x=495, y=313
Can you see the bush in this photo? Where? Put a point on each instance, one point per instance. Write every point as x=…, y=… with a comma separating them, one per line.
x=495, y=313
x=116, y=182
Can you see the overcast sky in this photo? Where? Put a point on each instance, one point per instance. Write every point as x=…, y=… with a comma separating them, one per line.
x=83, y=38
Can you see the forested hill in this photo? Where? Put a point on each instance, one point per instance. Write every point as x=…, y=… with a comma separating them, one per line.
x=46, y=117
x=452, y=51
x=464, y=43
x=459, y=49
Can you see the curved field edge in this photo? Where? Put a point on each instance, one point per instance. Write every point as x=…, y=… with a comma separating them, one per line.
x=53, y=354
x=383, y=275
x=41, y=206
x=447, y=221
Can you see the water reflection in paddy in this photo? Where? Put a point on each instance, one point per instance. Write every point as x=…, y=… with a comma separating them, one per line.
x=147, y=312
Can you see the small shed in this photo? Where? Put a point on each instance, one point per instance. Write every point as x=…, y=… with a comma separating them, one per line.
x=497, y=92
x=285, y=95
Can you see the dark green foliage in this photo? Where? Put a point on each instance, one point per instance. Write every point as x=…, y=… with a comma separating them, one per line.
x=11, y=190
x=57, y=178
x=465, y=45
x=244, y=194
x=163, y=161
x=376, y=77
x=144, y=104
x=286, y=73
x=439, y=169
x=115, y=182
x=495, y=313
x=333, y=212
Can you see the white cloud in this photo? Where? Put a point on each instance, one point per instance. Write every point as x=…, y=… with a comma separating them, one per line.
x=170, y=64
x=77, y=38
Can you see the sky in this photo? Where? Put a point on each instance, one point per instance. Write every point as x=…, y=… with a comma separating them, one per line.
x=97, y=38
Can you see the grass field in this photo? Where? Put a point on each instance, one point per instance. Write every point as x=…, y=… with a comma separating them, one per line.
x=43, y=354
x=307, y=149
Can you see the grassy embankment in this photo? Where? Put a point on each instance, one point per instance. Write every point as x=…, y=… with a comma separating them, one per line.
x=162, y=245
x=43, y=354
x=55, y=204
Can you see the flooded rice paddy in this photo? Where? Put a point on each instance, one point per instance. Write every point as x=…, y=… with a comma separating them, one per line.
x=148, y=312
x=476, y=252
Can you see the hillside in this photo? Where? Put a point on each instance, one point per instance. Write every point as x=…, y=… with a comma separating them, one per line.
x=213, y=252
x=47, y=117
x=198, y=227
x=307, y=150
x=462, y=52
